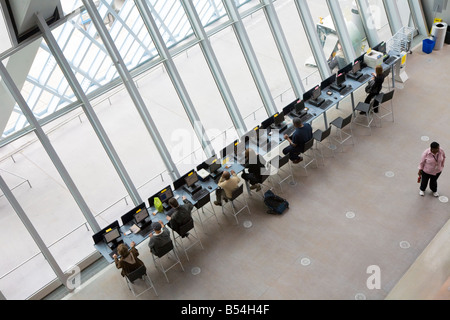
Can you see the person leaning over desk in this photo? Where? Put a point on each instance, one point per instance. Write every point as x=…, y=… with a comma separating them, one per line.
x=160, y=238
x=302, y=134
x=378, y=78
x=227, y=184
x=129, y=260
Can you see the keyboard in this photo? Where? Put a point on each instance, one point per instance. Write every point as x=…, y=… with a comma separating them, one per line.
x=147, y=229
x=200, y=194
x=390, y=60
x=364, y=78
x=346, y=90
x=325, y=105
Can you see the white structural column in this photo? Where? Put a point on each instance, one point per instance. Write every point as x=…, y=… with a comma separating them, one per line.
x=32, y=231
x=283, y=48
x=250, y=57
x=48, y=148
x=214, y=67
x=88, y=110
x=175, y=77
x=368, y=21
x=313, y=38
x=131, y=88
x=341, y=29
x=393, y=15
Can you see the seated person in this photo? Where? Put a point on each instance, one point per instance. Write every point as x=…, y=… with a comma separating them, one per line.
x=254, y=164
x=181, y=215
x=129, y=260
x=160, y=238
x=229, y=181
x=302, y=134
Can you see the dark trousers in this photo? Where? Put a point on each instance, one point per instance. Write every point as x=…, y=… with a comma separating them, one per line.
x=431, y=179
x=250, y=177
x=294, y=154
x=369, y=99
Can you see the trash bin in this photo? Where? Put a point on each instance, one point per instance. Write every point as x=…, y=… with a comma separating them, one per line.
x=428, y=45
x=447, y=37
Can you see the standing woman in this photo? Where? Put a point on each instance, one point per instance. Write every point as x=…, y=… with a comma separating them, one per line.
x=378, y=77
x=430, y=168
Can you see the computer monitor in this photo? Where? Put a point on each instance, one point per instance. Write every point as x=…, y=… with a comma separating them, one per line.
x=191, y=179
x=316, y=93
x=112, y=235
x=340, y=79
x=288, y=109
x=214, y=167
x=360, y=60
x=346, y=69
x=328, y=82
x=278, y=119
x=141, y=215
x=267, y=123
x=165, y=195
x=356, y=67
x=300, y=106
x=229, y=150
x=381, y=47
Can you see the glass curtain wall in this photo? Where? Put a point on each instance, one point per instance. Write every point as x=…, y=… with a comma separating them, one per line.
x=355, y=26
x=380, y=19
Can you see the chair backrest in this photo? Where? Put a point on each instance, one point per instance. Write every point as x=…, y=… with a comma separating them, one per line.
x=326, y=134
x=347, y=121
x=283, y=161
x=237, y=192
x=309, y=145
x=387, y=72
x=388, y=96
x=203, y=201
x=161, y=251
x=136, y=274
x=186, y=227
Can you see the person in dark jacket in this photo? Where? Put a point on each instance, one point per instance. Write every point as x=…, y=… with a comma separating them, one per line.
x=159, y=238
x=302, y=134
x=378, y=77
x=129, y=260
x=182, y=214
x=254, y=164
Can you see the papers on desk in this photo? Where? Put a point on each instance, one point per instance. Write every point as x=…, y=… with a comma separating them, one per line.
x=135, y=229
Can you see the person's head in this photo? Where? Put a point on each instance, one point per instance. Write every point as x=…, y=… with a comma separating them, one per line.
x=226, y=175
x=157, y=227
x=379, y=70
x=173, y=203
x=297, y=122
x=122, y=250
x=434, y=148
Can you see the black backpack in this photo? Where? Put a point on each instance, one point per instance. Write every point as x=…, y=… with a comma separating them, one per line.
x=275, y=204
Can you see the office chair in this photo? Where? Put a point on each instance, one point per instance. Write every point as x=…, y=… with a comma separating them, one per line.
x=139, y=274
x=284, y=167
x=341, y=136
x=205, y=213
x=167, y=249
x=186, y=232
x=308, y=155
x=320, y=136
x=234, y=199
x=367, y=117
x=384, y=111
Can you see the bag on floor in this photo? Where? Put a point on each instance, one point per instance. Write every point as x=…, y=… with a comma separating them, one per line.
x=275, y=204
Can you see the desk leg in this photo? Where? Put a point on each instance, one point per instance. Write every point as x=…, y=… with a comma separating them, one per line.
x=325, y=119
x=353, y=103
x=337, y=106
x=393, y=76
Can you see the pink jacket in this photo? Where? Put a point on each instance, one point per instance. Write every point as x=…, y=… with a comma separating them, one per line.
x=432, y=164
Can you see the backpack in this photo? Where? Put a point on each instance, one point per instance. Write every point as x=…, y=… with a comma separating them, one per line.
x=275, y=204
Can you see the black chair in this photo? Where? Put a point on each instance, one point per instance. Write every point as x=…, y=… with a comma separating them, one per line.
x=206, y=213
x=383, y=110
x=234, y=200
x=366, y=119
x=159, y=253
x=320, y=136
x=283, y=165
x=342, y=134
x=308, y=155
x=186, y=232
x=139, y=274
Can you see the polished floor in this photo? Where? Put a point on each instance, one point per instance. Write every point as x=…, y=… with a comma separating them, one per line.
x=358, y=210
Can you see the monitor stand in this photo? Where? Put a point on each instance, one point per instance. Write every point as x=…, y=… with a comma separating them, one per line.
x=318, y=102
x=338, y=88
x=192, y=189
x=354, y=76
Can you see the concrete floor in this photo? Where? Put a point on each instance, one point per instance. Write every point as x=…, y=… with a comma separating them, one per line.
x=360, y=209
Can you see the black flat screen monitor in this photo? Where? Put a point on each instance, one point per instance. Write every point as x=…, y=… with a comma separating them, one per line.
x=229, y=150
x=328, y=82
x=381, y=47
x=111, y=235
x=166, y=194
x=214, y=167
x=340, y=79
x=356, y=67
x=308, y=94
x=299, y=107
x=191, y=178
x=267, y=123
x=278, y=119
x=288, y=109
x=316, y=93
x=141, y=215
x=346, y=69
x=360, y=59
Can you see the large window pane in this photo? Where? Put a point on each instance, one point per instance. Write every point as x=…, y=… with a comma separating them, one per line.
x=355, y=26
x=380, y=19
